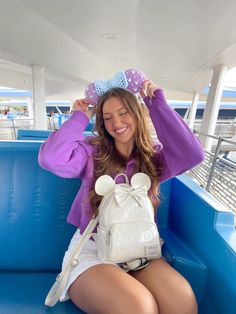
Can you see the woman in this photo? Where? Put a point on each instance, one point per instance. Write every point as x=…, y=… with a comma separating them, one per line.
x=123, y=144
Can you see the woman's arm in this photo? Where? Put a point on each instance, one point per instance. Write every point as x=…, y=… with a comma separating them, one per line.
x=180, y=150
x=65, y=153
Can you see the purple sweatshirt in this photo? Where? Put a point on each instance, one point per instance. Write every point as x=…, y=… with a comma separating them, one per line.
x=67, y=154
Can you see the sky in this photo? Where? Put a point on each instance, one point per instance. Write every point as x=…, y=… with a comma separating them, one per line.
x=230, y=79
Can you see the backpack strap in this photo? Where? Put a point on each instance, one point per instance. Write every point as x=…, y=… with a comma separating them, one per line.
x=62, y=279
x=124, y=175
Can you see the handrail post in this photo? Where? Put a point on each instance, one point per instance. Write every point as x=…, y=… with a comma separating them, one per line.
x=213, y=163
x=14, y=129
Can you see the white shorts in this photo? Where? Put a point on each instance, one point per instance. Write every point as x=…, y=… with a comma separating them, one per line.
x=87, y=259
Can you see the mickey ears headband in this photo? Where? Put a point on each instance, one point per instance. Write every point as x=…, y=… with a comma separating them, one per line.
x=131, y=80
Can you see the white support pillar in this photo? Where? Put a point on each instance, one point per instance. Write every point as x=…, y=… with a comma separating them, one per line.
x=71, y=105
x=30, y=110
x=40, y=117
x=193, y=110
x=212, y=105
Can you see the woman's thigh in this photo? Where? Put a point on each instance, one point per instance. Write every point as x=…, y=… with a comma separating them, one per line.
x=107, y=289
x=171, y=290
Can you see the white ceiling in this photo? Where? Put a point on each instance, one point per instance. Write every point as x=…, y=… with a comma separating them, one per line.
x=180, y=40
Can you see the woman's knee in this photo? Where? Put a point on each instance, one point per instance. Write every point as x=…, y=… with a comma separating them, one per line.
x=171, y=290
x=187, y=303
x=119, y=292
x=141, y=304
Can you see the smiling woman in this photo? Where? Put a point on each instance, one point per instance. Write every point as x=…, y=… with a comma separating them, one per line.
x=122, y=144
x=183, y=46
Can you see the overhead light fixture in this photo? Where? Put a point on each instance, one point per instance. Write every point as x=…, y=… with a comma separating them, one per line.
x=111, y=36
x=166, y=78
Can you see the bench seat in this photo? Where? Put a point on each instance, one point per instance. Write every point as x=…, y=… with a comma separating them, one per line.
x=184, y=260
x=25, y=292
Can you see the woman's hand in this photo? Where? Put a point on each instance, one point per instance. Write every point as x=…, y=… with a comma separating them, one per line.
x=82, y=105
x=148, y=89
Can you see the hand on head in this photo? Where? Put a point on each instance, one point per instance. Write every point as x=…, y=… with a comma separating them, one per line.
x=148, y=89
x=82, y=105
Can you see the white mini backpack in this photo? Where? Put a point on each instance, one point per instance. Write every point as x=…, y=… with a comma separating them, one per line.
x=127, y=229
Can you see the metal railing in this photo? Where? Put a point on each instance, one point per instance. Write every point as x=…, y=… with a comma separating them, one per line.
x=217, y=173
x=9, y=127
x=224, y=128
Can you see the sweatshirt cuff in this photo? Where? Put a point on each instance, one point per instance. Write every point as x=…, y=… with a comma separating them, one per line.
x=80, y=117
x=158, y=100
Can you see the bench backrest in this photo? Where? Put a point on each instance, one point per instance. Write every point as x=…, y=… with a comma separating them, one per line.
x=33, y=208
x=35, y=135
x=39, y=135
x=34, y=205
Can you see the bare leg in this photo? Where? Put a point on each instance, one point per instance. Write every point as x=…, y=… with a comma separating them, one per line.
x=172, y=292
x=106, y=289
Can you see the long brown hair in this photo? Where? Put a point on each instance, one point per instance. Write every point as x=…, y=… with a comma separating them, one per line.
x=109, y=161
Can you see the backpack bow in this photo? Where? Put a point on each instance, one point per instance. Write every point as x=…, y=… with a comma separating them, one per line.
x=122, y=194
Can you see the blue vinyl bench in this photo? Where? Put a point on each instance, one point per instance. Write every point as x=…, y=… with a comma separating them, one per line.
x=35, y=135
x=41, y=135
x=200, y=238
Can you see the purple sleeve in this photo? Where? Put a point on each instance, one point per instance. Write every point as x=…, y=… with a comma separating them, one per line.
x=180, y=150
x=65, y=153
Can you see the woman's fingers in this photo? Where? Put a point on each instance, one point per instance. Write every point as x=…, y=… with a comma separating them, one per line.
x=80, y=104
x=143, y=90
x=151, y=89
x=148, y=89
x=83, y=105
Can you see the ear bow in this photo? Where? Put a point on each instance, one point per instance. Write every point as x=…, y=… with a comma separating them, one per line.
x=105, y=183
x=130, y=79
